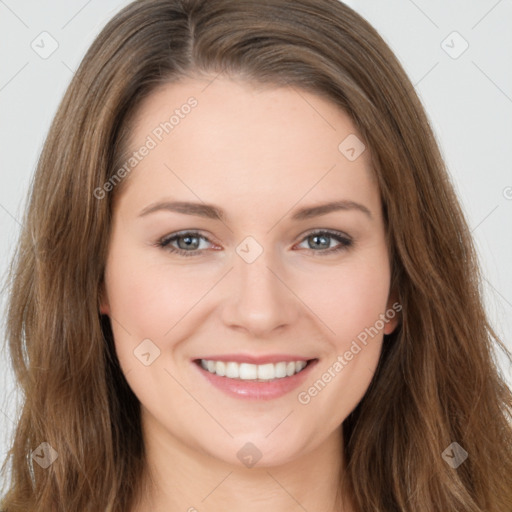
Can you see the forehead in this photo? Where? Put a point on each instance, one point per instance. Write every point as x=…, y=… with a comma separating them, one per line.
x=230, y=140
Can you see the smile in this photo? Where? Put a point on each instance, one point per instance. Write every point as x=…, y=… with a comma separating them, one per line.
x=255, y=377
x=256, y=372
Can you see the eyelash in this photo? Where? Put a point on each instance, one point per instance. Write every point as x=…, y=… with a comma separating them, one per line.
x=345, y=242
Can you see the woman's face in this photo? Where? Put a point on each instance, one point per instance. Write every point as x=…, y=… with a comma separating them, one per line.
x=237, y=178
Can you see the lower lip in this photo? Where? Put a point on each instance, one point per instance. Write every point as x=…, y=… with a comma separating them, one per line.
x=254, y=390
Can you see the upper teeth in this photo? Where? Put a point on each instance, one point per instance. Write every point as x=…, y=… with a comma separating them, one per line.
x=246, y=371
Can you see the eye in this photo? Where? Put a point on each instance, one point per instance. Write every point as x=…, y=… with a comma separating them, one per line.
x=188, y=243
x=320, y=241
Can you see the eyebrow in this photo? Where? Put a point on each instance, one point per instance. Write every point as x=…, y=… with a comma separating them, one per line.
x=213, y=212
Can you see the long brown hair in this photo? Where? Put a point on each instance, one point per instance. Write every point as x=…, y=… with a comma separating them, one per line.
x=437, y=381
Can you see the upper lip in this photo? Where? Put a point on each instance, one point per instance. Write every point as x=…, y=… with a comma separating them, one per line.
x=253, y=359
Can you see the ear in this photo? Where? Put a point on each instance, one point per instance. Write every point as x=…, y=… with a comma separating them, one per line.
x=393, y=309
x=104, y=306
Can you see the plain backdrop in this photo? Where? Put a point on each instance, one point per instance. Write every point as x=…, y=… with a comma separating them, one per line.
x=457, y=54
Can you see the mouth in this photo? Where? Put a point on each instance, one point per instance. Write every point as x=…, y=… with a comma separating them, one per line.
x=255, y=378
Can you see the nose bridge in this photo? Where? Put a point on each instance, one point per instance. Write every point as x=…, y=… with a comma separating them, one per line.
x=259, y=300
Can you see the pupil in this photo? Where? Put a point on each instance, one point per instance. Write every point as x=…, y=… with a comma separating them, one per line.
x=188, y=239
x=321, y=237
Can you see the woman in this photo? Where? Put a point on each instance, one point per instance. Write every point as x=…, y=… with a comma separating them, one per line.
x=316, y=342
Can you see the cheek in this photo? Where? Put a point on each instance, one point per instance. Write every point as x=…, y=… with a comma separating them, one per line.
x=147, y=299
x=358, y=300
x=350, y=298
x=342, y=378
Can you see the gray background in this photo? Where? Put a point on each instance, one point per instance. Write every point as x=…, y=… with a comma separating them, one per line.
x=468, y=97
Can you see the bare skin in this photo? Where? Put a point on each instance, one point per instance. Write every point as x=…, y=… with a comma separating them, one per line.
x=259, y=154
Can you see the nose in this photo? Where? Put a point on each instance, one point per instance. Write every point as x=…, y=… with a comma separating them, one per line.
x=260, y=299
